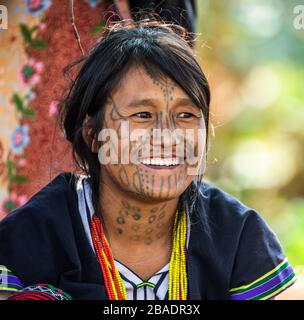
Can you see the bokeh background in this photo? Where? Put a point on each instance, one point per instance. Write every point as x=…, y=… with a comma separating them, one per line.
x=253, y=56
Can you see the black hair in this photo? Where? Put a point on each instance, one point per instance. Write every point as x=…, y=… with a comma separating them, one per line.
x=162, y=49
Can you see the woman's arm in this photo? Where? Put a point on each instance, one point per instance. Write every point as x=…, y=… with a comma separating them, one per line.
x=295, y=292
x=5, y=295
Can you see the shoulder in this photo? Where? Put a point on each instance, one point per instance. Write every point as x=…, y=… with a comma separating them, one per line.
x=47, y=213
x=228, y=224
x=240, y=248
x=223, y=208
x=218, y=198
x=222, y=222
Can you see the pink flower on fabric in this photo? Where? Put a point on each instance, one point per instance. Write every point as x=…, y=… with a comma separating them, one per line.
x=22, y=200
x=42, y=26
x=30, y=72
x=53, y=108
x=21, y=162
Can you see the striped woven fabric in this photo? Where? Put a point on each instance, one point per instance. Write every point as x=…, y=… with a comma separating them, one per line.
x=40, y=291
x=8, y=281
x=267, y=286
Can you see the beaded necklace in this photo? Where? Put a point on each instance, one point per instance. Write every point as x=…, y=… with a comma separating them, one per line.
x=178, y=284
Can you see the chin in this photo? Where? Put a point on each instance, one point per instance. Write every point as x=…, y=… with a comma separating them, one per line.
x=158, y=195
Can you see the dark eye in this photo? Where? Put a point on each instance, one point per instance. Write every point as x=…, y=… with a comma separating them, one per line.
x=185, y=115
x=143, y=115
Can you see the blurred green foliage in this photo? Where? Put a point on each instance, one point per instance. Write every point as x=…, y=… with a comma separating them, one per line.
x=252, y=48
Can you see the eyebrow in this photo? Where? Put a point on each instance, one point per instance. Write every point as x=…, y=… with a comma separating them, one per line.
x=153, y=102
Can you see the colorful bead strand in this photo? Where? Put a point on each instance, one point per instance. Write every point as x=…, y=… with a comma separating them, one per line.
x=178, y=282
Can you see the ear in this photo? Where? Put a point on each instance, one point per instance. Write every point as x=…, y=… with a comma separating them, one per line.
x=86, y=134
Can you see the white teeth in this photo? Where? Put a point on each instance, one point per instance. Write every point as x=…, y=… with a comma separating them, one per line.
x=161, y=162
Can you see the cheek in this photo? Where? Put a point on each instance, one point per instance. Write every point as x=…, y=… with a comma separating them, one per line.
x=123, y=175
x=196, y=142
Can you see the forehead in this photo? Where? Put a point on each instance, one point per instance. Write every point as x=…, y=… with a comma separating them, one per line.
x=138, y=83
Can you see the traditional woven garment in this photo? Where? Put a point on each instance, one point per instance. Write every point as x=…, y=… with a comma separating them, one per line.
x=231, y=253
x=40, y=291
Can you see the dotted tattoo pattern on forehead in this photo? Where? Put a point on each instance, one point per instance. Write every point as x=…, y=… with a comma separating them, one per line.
x=166, y=85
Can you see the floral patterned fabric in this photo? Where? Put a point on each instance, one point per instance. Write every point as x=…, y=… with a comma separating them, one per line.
x=37, y=45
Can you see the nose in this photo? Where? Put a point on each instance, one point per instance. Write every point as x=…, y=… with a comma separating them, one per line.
x=164, y=127
x=165, y=120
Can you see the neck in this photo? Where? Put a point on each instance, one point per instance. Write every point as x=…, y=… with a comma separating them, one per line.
x=134, y=224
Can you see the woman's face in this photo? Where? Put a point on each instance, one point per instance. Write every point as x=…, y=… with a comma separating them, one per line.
x=155, y=131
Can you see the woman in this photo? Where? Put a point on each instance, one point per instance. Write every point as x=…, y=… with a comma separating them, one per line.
x=140, y=223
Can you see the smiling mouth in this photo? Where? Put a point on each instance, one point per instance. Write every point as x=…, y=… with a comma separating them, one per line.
x=159, y=163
